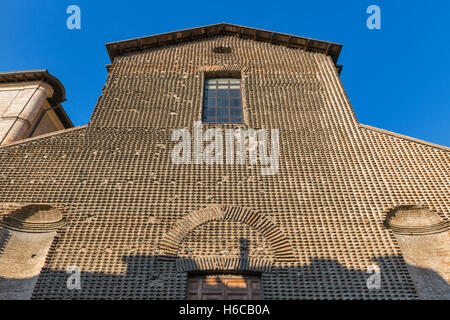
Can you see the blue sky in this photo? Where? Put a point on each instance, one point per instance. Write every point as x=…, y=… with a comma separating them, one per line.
x=397, y=78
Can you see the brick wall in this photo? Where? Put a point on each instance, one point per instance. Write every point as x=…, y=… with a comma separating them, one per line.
x=124, y=195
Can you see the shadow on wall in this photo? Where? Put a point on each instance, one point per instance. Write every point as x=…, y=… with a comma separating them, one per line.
x=420, y=272
x=157, y=277
x=22, y=256
x=321, y=279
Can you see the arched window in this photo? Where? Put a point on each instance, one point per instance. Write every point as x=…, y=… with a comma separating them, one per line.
x=222, y=101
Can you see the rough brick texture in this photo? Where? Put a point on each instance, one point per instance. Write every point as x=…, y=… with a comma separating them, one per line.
x=124, y=195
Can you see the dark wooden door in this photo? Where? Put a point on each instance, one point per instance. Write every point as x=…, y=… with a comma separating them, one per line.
x=224, y=287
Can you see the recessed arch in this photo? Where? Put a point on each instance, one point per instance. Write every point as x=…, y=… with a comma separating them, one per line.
x=282, y=249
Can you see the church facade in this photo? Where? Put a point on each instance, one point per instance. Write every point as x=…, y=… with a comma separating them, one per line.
x=104, y=212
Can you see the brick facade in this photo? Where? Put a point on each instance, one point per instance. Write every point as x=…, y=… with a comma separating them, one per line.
x=139, y=223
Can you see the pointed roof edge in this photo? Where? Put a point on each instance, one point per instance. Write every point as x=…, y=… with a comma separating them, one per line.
x=164, y=39
x=42, y=136
x=402, y=136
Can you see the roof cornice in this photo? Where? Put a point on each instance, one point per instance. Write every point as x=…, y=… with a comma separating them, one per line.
x=164, y=39
x=59, y=94
x=36, y=75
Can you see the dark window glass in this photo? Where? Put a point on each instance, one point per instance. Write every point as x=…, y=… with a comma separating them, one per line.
x=211, y=112
x=235, y=93
x=222, y=112
x=210, y=103
x=235, y=102
x=222, y=101
x=222, y=120
x=234, y=112
x=209, y=119
x=211, y=93
x=222, y=94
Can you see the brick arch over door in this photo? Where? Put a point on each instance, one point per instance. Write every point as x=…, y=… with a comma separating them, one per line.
x=282, y=249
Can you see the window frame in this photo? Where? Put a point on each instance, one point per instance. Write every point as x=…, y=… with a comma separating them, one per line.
x=219, y=286
x=229, y=99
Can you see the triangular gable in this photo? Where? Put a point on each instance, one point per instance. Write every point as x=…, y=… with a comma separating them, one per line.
x=329, y=48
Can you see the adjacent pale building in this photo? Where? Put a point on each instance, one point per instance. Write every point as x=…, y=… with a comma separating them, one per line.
x=30, y=105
